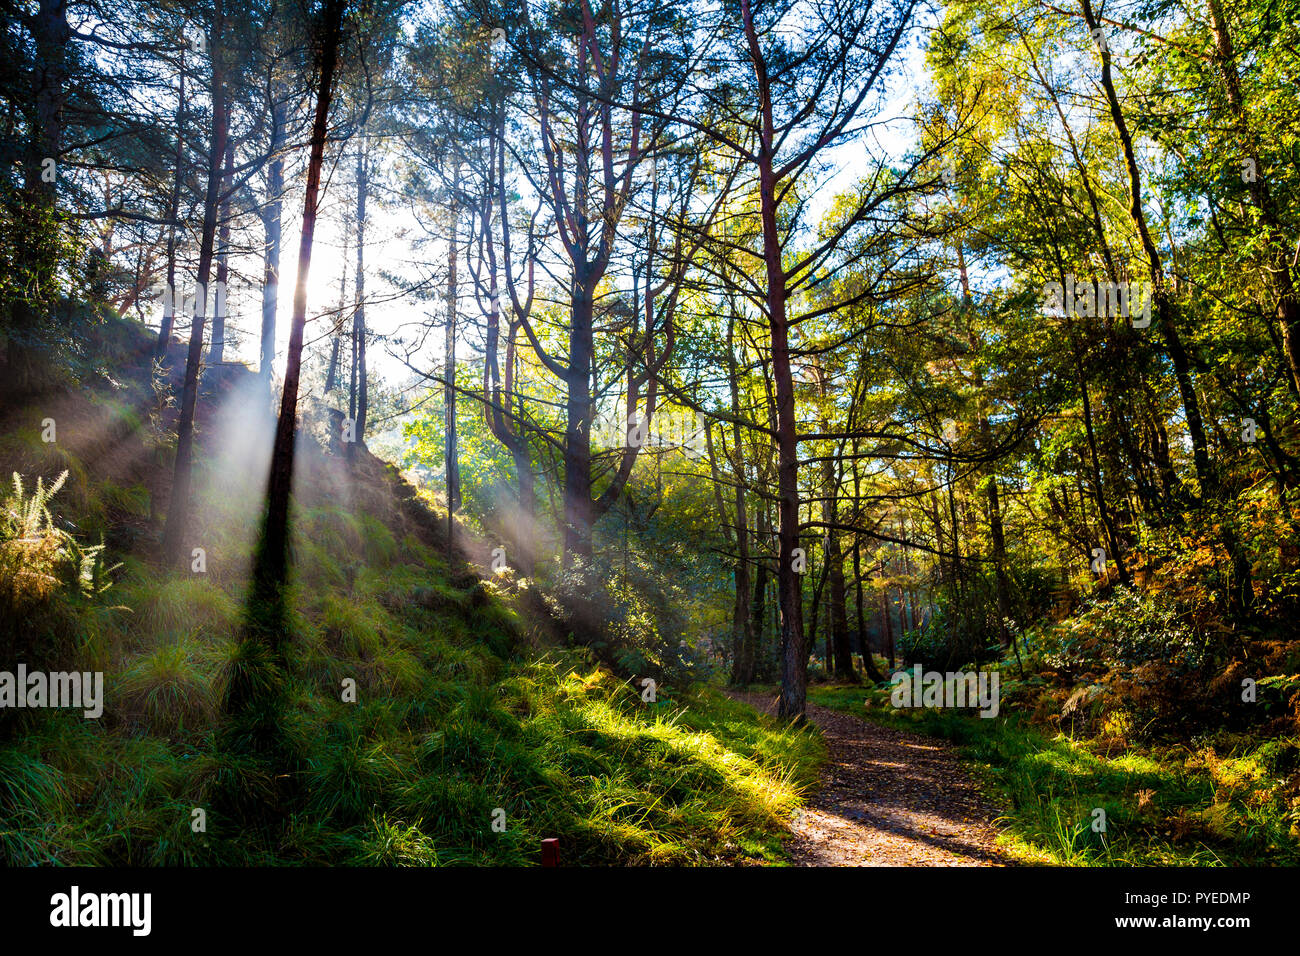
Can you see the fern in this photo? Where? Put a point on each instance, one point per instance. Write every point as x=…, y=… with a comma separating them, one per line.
x=30, y=517
x=36, y=556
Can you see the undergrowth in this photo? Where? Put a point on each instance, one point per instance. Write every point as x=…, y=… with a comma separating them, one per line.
x=468, y=742
x=1217, y=800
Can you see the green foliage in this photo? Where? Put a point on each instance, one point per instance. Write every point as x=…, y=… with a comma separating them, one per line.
x=168, y=691
x=449, y=727
x=1126, y=628
x=36, y=557
x=629, y=617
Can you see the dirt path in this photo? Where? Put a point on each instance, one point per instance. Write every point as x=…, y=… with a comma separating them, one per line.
x=888, y=798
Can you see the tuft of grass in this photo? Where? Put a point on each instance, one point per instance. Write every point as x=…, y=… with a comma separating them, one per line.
x=167, y=692
x=175, y=608
x=380, y=546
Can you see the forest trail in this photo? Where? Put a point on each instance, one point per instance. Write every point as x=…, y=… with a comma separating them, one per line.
x=888, y=798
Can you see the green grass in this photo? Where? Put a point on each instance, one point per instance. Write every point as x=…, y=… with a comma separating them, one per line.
x=454, y=726
x=468, y=714
x=1222, y=801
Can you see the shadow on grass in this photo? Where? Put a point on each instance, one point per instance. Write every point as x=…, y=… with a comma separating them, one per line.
x=260, y=761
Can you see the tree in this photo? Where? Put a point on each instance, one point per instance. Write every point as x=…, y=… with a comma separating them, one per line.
x=270, y=567
x=808, y=85
x=174, y=550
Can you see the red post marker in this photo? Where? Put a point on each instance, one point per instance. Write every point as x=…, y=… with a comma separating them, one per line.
x=551, y=852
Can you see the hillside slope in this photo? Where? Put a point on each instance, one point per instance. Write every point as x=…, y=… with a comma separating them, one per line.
x=475, y=733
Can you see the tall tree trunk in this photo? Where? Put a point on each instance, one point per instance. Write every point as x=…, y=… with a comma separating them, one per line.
x=887, y=614
x=1116, y=555
x=336, y=340
x=864, y=646
x=1278, y=274
x=794, y=677
x=217, y=346
x=449, y=374
x=839, y=612
x=358, y=388
x=725, y=519
x=38, y=255
x=838, y=633
x=1159, y=286
x=499, y=411
x=271, y=224
x=50, y=34
x=577, y=431
x=914, y=616
x=743, y=621
x=270, y=565
x=1000, y=581
x=352, y=374
x=1240, y=591
x=359, y=316
x=525, y=536
x=758, y=613
x=332, y=372
x=811, y=631
x=173, y=215
x=178, y=509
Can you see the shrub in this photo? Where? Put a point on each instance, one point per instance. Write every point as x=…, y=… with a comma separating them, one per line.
x=38, y=559
x=628, y=618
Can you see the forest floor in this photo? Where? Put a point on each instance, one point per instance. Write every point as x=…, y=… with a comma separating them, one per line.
x=471, y=702
x=888, y=798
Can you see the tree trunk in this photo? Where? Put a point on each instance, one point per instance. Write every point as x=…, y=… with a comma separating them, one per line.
x=336, y=340
x=986, y=443
x=359, y=316
x=449, y=378
x=332, y=372
x=794, y=679
x=1159, y=286
x=864, y=646
x=757, y=614
x=178, y=509
x=1240, y=591
x=810, y=642
x=498, y=411
x=217, y=346
x=525, y=539
x=38, y=255
x=577, y=432
x=1278, y=274
x=270, y=566
x=173, y=215
x=889, y=624
x=743, y=621
x=358, y=407
x=839, y=612
x=50, y=34
x=1103, y=505
x=271, y=223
